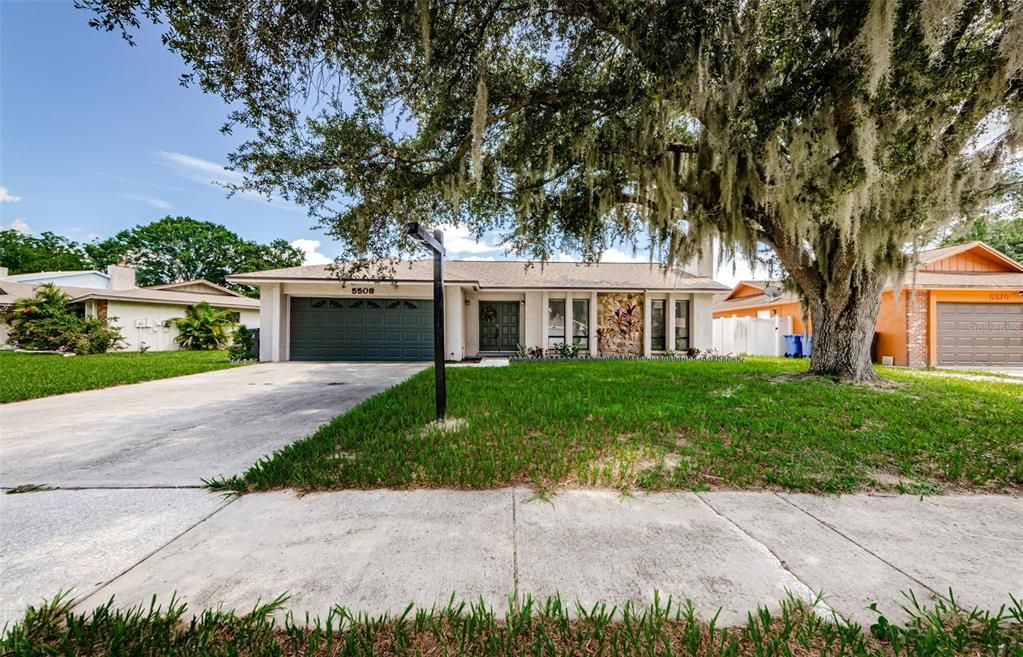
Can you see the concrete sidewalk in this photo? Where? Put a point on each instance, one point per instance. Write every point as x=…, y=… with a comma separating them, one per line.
x=376, y=551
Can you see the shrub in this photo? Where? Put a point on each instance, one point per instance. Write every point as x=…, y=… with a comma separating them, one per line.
x=568, y=350
x=243, y=344
x=46, y=322
x=204, y=327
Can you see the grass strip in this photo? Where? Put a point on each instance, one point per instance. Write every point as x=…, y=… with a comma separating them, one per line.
x=530, y=628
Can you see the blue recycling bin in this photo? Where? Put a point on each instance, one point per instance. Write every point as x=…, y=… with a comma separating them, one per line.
x=792, y=345
x=807, y=345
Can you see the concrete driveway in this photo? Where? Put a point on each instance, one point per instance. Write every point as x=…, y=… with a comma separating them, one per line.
x=177, y=432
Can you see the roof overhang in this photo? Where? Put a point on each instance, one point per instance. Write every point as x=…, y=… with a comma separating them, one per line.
x=218, y=302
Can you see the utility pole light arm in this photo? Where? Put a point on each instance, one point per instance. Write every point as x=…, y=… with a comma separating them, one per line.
x=420, y=234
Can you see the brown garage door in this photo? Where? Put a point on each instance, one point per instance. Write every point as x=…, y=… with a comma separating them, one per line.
x=980, y=333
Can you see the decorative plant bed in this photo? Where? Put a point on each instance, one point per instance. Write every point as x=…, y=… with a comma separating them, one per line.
x=716, y=358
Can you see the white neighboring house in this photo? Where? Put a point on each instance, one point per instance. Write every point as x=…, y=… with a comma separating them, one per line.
x=142, y=313
x=491, y=307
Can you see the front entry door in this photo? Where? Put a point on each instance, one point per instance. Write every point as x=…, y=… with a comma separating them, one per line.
x=499, y=325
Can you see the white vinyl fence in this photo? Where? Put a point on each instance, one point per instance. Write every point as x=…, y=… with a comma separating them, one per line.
x=756, y=336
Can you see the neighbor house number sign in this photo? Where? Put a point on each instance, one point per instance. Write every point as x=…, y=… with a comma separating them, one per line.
x=364, y=290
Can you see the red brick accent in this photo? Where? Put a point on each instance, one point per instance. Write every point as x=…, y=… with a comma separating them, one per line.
x=917, y=309
x=101, y=309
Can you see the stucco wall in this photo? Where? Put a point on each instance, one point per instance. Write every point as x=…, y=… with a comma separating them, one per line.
x=159, y=332
x=891, y=327
x=73, y=279
x=462, y=314
x=701, y=334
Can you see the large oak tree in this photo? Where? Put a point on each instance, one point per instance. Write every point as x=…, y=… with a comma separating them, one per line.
x=841, y=133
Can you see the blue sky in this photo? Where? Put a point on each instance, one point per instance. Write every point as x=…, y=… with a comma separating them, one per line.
x=97, y=136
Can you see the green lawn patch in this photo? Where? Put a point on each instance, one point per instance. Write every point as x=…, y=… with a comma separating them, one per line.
x=666, y=425
x=27, y=376
x=537, y=629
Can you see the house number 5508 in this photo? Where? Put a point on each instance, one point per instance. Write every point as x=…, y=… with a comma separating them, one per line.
x=363, y=290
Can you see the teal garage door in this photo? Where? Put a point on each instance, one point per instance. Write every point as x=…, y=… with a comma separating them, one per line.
x=361, y=329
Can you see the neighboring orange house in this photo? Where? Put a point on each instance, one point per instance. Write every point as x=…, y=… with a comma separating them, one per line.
x=962, y=305
x=761, y=299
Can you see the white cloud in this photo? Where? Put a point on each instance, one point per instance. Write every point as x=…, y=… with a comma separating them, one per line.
x=7, y=197
x=157, y=203
x=742, y=272
x=212, y=173
x=476, y=258
x=313, y=256
x=457, y=241
x=19, y=225
x=200, y=170
x=617, y=255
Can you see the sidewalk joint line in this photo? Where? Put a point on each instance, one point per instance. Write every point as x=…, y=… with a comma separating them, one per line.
x=515, y=548
x=860, y=546
x=148, y=556
x=781, y=562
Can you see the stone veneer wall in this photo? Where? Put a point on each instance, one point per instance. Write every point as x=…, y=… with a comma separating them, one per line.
x=917, y=309
x=613, y=343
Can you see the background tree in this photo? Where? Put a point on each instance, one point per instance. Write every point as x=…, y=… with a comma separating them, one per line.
x=1000, y=225
x=177, y=249
x=840, y=133
x=23, y=254
x=1003, y=233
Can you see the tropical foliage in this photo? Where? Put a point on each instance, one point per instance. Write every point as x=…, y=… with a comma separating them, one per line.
x=204, y=327
x=839, y=133
x=46, y=321
x=243, y=344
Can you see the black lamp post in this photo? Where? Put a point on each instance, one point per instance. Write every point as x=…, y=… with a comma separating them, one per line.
x=436, y=244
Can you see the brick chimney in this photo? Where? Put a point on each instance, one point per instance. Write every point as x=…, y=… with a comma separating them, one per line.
x=122, y=277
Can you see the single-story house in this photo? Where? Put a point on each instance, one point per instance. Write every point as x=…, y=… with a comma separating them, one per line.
x=961, y=305
x=491, y=308
x=143, y=314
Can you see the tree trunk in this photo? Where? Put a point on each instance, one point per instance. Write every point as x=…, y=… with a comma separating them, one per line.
x=843, y=330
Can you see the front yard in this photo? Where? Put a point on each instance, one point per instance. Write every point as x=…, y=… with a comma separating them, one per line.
x=666, y=425
x=27, y=376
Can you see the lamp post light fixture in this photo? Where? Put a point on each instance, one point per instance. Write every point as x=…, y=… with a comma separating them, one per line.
x=435, y=242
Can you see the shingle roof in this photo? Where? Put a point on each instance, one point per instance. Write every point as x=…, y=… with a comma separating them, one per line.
x=49, y=274
x=965, y=279
x=516, y=275
x=14, y=290
x=144, y=294
x=755, y=300
x=933, y=255
x=216, y=290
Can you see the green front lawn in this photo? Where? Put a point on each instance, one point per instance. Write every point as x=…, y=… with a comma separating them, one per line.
x=27, y=376
x=666, y=425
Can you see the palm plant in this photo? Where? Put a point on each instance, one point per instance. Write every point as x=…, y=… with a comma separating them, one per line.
x=48, y=301
x=204, y=327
